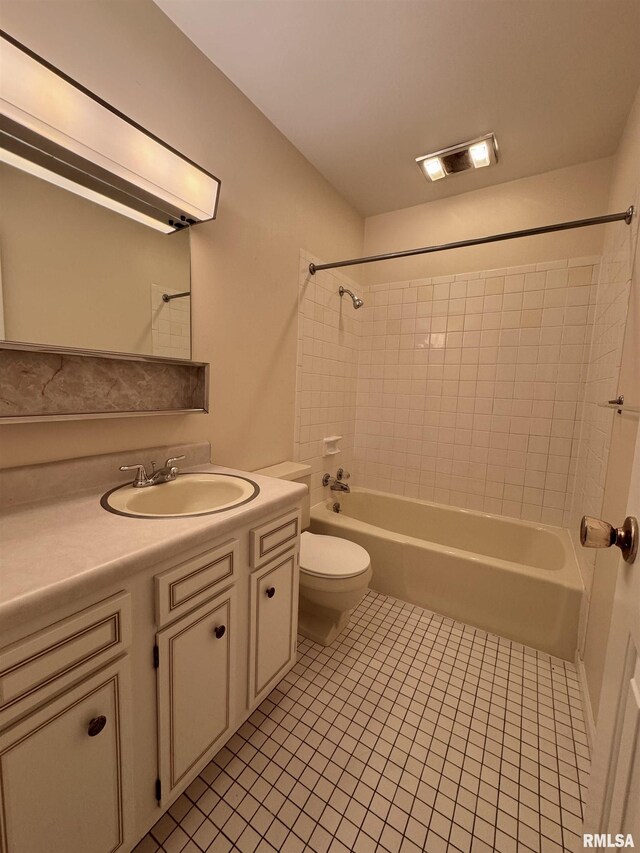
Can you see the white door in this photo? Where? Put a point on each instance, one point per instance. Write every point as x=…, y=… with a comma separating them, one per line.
x=613, y=802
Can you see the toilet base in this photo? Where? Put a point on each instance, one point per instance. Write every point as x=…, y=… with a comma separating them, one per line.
x=322, y=625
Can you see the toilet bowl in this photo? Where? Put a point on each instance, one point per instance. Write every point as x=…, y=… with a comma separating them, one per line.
x=334, y=576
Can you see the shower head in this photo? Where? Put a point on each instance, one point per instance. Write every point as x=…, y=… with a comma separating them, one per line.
x=357, y=302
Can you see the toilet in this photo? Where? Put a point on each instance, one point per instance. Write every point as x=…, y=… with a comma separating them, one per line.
x=334, y=576
x=334, y=572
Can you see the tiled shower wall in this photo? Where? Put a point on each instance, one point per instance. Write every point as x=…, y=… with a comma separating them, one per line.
x=327, y=371
x=468, y=388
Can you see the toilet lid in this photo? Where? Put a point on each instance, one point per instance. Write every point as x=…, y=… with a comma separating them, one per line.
x=330, y=556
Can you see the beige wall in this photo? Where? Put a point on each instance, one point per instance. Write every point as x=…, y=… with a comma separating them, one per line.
x=245, y=264
x=621, y=252
x=571, y=193
x=75, y=274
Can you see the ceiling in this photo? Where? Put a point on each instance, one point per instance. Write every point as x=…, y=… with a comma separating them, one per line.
x=363, y=87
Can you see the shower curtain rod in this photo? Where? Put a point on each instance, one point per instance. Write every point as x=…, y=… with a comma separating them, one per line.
x=627, y=216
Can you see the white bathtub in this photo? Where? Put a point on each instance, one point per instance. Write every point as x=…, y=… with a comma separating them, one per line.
x=510, y=577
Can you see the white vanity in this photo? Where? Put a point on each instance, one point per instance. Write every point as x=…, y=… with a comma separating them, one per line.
x=131, y=649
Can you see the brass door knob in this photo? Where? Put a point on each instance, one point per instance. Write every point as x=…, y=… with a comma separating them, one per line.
x=596, y=533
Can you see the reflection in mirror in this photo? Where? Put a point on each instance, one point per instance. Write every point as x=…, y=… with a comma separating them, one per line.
x=74, y=274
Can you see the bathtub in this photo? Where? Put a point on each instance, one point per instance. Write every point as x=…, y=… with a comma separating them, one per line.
x=510, y=577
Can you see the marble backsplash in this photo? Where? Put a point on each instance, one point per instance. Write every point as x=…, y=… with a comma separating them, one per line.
x=38, y=384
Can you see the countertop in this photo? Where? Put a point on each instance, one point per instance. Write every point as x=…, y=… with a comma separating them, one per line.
x=56, y=550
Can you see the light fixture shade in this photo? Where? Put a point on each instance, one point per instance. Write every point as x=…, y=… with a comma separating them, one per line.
x=49, y=120
x=475, y=154
x=434, y=169
x=480, y=155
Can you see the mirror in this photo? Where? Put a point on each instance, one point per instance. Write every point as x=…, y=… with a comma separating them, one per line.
x=75, y=274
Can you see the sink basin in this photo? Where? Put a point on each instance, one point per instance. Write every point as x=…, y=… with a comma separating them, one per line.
x=187, y=495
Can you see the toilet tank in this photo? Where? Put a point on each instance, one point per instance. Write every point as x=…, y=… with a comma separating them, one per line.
x=296, y=472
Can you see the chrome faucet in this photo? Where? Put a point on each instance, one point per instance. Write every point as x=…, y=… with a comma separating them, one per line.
x=337, y=483
x=165, y=474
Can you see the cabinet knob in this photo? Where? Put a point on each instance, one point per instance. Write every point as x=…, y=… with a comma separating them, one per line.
x=96, y=725
x=271, y=592
x=220, y=632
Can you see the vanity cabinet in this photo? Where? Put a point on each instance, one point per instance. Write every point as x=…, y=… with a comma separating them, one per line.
x=273, y=622
x=65, y=771
x=196, y=660
x=90, y=757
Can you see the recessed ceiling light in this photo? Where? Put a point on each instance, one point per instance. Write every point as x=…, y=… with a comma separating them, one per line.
x=480, y=155
x=474, y=154
x=434, y=169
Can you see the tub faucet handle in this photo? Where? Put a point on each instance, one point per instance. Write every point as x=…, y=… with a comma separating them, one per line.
x=341, y=475
x=596, y=533
x=336, y=484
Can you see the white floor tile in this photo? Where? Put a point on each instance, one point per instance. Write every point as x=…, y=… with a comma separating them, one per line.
x=412, y=732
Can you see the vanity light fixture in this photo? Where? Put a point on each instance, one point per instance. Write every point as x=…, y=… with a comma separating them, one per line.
x=54, y=128
x=52, y=177
x=474, y=154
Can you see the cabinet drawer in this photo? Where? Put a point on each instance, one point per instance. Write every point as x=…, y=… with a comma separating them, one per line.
x=273, y=625
x=47, y=661
x=184, y=587
x=273, y=537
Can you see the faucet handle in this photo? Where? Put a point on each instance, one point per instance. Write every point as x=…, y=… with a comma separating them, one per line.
x=173, y=459
x=141, y=473
x=341, y=475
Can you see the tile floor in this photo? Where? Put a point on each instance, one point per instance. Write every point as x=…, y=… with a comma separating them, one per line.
x=411, y=733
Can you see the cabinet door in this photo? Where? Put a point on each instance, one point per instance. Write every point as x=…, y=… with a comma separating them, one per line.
x=273, y=621
x=196, y=660
x=64, y=771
